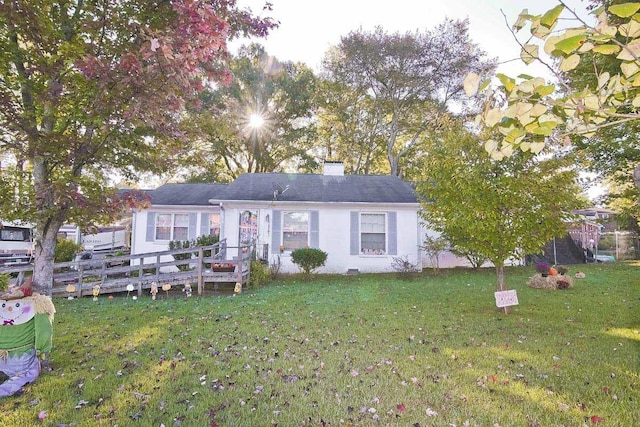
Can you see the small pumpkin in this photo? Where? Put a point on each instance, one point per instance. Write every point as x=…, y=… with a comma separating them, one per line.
x=553, y=272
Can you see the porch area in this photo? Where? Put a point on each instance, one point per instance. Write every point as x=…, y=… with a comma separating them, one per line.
x=198, y=266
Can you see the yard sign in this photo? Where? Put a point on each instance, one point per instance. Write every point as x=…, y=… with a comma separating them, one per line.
x=506, y=298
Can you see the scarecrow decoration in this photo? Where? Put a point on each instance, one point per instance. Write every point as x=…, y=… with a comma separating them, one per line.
x=26, y=320
x=166, y=288
x=187, y=289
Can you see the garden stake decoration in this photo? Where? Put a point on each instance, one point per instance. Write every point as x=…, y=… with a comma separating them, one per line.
x=129, y=289
x=25, y=333
x=187, y=289
x=166, y=288
x=154, y=290
x=96, y=292
x=238, y=288
x=70, y=290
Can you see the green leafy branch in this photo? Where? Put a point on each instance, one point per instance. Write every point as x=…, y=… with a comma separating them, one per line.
x=528, y=112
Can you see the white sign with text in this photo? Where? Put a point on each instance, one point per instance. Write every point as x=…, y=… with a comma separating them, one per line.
x=506, y=298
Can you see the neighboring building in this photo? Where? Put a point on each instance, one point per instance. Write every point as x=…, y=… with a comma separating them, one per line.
x=16, y=243
x=592, y=222
x=363, y=222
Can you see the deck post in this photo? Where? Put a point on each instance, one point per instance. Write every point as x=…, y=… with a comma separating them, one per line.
x=80, y=274
x=158, y=270
x=239, y=272
x=200, y=267
x=140, y=272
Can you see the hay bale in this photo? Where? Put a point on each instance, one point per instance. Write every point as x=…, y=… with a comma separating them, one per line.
x=550, y=282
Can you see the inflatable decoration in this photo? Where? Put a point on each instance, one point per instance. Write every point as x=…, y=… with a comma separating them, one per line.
x=26, y=320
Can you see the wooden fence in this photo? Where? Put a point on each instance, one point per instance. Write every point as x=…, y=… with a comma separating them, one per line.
x=202, y=264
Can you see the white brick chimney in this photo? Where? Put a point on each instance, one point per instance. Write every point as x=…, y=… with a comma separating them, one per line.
x=333, y=168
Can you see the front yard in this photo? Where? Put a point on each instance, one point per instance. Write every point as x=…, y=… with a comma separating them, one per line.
x=358, y=350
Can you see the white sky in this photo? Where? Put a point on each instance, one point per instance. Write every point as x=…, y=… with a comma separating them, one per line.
x=308, y=28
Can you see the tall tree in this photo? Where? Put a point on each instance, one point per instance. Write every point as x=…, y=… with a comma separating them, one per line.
x=93, y=88
x=497, y=209
x=393, y=88
x=262, y=122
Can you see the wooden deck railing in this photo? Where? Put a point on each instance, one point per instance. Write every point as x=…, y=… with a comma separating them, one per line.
x=116, y=273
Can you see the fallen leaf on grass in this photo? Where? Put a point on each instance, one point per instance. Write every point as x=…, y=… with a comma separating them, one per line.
x=401, y=407
x=431, y=413
x=596, y=419
x=81, y=404
x=212, y=416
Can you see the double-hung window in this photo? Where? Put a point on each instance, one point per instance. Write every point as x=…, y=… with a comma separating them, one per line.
x=172, y=227
x=214, y=225
x=295, y=230
x=373, y=235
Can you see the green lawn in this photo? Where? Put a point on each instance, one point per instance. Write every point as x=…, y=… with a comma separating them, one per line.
x=349, y=351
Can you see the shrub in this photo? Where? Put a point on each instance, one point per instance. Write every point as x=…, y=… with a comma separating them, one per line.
x=562, y=269
x=259, y=274
x=476, y=259
x=204, y=240
x=4, y=282
x=433, y=247
x=404, y=267
x=308, y=259
x=65, y=250
x=207, y=240
x=274, y=267
x=181, y=244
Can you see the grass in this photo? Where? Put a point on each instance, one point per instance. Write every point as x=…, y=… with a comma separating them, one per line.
x=359, y=350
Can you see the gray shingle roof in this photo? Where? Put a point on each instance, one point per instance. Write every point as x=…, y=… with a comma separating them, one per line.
x=319, y=188
x=185, y=194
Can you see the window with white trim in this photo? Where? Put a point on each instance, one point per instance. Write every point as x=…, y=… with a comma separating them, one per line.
x=172, y=226
x=295, y=230
x=214, y=225
x=373, y=234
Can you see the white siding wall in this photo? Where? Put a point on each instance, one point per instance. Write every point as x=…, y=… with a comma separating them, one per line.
x=139, y=243
x=334, y=235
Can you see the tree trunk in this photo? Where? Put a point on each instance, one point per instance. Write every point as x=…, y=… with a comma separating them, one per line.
x=500, y=277
x=43, y=258
x=46, y=228
x=500, y=286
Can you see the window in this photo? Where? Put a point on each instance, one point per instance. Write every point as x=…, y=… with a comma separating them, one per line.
x=295, y=230
x=214, y=225
x=373, y=236
x=172, y=227
x=15, y=235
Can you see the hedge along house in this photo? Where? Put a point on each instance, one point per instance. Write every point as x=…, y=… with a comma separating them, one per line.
x=362, y=222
